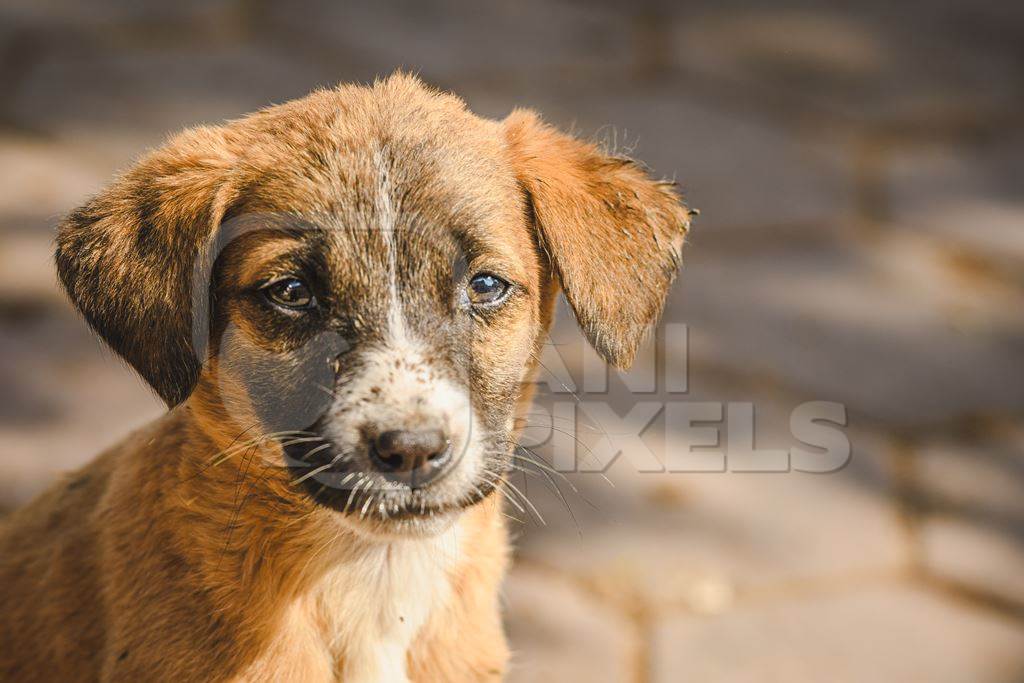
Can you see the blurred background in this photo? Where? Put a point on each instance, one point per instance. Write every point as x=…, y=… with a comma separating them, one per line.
x=860, y=171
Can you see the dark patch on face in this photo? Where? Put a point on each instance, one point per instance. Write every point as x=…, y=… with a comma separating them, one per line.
x=284, y=359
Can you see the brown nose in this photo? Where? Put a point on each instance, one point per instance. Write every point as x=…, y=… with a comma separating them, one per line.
x=411, y=457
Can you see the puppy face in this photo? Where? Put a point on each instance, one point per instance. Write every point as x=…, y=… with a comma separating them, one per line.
x=385, y=339
x=363, y=278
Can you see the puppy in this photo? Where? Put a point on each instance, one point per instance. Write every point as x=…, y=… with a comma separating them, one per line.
x=341, y=300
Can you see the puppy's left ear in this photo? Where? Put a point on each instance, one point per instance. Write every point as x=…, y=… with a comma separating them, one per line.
x=613, y=235
x=128, y=257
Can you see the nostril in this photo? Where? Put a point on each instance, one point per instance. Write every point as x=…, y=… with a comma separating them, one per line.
x=391, y=460
x=411, y=456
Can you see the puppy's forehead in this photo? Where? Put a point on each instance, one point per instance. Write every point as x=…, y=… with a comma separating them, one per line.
x=337, y=151
x=396, y=157
x=403, y=183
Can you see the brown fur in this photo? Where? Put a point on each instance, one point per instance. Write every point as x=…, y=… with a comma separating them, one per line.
x=178, y=556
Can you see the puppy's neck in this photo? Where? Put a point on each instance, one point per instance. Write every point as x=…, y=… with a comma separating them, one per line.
x=376, y=599
x=359, y=618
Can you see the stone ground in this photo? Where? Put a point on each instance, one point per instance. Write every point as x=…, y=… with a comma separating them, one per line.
x=859, y=168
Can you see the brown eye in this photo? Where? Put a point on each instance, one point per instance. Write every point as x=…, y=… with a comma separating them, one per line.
x=290, y=293
x=485, y=288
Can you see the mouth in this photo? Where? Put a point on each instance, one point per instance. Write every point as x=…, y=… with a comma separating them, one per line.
x=382, y=493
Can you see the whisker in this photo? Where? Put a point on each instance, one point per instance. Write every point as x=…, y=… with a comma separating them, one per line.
x=352, y=493
x=570, y=391
x=539, y=463
x=523, y=470
x=317, y=470
x=544, y=468
x=505, y=495
x=538, y=459
x=229, y=452
x=525, y=500
x=263, y=437
x=366, y=505
x=523, y=420
x=237, y=506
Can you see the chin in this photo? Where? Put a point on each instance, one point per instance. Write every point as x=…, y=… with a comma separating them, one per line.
x=398, y=512
x=407, y=527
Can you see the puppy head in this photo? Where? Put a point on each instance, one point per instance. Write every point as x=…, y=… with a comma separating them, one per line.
x=362, y=279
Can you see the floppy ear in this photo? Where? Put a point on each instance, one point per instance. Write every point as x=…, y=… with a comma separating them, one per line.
x=126, y=258
x=612, y=234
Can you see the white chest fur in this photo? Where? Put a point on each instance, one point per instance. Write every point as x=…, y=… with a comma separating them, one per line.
x=375, y=601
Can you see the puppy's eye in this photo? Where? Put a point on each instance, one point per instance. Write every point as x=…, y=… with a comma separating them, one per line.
x=291, y=293
x=485, y=288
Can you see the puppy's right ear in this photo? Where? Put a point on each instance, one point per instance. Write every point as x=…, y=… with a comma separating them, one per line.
x=126, y=258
